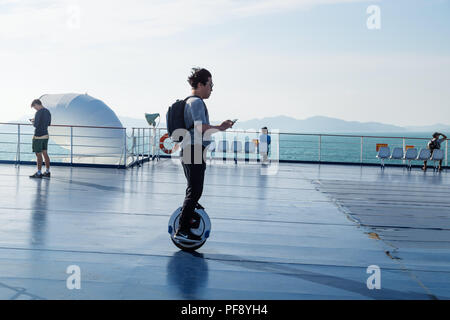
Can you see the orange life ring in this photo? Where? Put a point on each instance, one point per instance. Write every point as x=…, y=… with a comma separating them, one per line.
x=163, y=148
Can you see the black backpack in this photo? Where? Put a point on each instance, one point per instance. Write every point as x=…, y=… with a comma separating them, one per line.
x=175, y=118
x=433, y=144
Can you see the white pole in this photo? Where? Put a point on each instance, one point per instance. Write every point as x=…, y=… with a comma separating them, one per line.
x=71, y=145
x=361, y=155
x=125, y=147
x=320, y=147
x=18, y=145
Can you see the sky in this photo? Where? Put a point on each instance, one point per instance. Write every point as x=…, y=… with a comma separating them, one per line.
x=298, y=58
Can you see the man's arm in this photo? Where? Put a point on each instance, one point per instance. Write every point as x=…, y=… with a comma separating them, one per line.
x=213, y=129
x=198, y=112
x=37, y=119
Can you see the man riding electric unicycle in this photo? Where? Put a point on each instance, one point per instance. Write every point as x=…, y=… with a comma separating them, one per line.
x=188, y=122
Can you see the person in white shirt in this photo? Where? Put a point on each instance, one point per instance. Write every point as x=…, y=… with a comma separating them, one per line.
x=264, y=145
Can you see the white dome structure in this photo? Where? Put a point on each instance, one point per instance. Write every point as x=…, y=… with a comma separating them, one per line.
x=85, y=141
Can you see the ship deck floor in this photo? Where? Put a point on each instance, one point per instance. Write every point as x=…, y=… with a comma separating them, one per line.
x=307, y=231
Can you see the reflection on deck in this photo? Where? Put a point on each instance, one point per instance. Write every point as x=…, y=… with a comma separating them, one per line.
x=309, y=232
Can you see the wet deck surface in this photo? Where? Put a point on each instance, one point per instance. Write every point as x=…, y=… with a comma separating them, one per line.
x=308, y=232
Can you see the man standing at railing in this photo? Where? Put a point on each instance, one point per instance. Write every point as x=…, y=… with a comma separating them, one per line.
x=264, y=144
x=197, y=120
x=41, y=122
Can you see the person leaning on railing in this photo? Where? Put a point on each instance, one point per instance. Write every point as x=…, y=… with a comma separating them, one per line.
x=41, y=122
x=434, y=144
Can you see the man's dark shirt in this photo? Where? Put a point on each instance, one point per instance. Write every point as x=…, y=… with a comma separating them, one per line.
x=42, y=120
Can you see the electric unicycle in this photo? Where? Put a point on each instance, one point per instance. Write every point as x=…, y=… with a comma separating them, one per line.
x=202, y=229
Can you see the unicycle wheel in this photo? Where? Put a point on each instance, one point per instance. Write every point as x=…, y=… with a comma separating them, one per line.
x=185, y=248
x=203, y=230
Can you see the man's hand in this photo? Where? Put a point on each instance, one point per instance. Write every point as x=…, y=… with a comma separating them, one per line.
x=213, y=129
x=226, y=125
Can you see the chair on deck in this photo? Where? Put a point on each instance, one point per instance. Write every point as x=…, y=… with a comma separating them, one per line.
x=223, y=148
x=236, y=148
x=424, y=155
x=410, y=155
x=437, y=156
x=212, y=149
x=383, y=154
x=249, y=147
x=397, y=154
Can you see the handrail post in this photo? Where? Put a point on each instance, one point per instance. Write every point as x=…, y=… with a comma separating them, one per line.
x=320, y=147
x=153, y=141
x=18, y=145
x=143, y=144
x=158, y=137
x=361, y=155
x=404, y=146
x=147, y=144
x=139, y=146
x=446, y=153
x=154, y=144
x=71, y=145
x=133, y=146
x=125, y=147
x=150, y=151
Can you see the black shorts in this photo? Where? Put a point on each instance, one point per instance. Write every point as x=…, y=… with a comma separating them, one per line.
x=40, y=145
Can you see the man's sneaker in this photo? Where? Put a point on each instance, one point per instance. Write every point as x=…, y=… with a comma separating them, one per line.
x=46, y=175
x=37, y=175
x=186, y=236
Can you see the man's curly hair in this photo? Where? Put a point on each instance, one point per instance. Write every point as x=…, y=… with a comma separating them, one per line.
x=198, y=75
x=36, y=102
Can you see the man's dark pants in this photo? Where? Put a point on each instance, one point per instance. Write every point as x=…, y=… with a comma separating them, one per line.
x=194, y=168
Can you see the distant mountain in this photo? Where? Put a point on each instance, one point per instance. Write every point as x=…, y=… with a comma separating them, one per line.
x=437, y=127
x=317, y=124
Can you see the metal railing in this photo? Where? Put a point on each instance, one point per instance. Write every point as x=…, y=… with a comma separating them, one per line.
x=298, y=147
x=112, y=146
x=143, y=145
x=68, y=145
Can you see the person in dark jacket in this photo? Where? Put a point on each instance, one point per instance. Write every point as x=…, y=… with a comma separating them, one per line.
x=41, y=122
